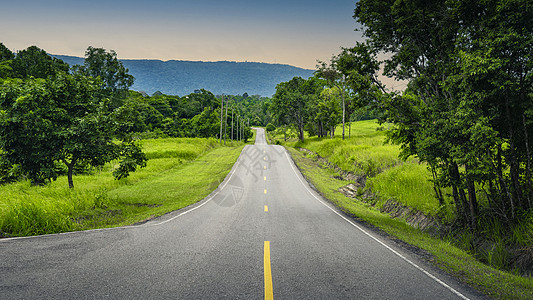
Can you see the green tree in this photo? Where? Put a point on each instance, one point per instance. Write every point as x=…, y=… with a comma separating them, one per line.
x=270, y=127
x=60, y=119
x=329, y=112
x=466, y=110
x=35, y=62
x=292, y=102
x=5, y=53
x=6, y=58
x=494, y=77
x=105, y=65
x=336, y=78
x=354, y=73
x=206, y=124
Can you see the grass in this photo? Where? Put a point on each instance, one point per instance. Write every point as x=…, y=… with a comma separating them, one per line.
x=409, y=184
x=365, y=153
x=492, y=282
x=179, y=173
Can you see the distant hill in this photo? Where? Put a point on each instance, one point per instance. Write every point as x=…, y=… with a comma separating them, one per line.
x=176, y=77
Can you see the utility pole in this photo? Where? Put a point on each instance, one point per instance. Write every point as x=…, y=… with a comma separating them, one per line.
x=343, y=105
x=232, y=123
x=221, y=113
x=226, y=124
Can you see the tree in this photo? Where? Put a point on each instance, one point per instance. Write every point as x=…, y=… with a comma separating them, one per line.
x=270, y=127
x=329, y=112
x=6, y=58
x=354, y=69
x=291, y=104
x=469, y=97
x=422, y=116
x=494, y=77
x=5, y=53
x=35, y=62
x=205, y=124
x=60, y=119
x=336, y=78
x=105, y=65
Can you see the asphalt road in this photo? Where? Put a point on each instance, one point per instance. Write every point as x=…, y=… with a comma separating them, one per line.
x=263, y=233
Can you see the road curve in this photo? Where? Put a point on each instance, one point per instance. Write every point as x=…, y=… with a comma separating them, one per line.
x=263, y=233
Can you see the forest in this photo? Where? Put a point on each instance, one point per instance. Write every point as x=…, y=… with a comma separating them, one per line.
x=61, y=120
x=177, y=77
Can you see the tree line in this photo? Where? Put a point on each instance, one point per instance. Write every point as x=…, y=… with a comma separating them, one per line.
x=61, y=120
x=468, y=106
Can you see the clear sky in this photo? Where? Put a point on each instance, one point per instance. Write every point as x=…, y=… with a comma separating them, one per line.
x=294, y=32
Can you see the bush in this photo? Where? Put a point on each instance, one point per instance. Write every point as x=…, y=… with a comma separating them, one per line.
x=270, y=127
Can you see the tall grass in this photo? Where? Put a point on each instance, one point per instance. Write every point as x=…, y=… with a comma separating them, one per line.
x=366, y=154
x=98, y=200
x=183, y=148
x=408, y=183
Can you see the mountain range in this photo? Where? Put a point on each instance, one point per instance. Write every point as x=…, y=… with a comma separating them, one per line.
x=176, y=77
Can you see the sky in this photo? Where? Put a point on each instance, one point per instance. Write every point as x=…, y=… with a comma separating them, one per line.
x=293, y=32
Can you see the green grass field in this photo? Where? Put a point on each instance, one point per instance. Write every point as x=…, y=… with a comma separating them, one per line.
x=179, y=172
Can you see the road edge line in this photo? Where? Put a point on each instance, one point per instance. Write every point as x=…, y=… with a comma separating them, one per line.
x=208, y=198
x=204, y=201
x=454, y=291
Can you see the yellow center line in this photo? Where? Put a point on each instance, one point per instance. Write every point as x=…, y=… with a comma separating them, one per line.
x=265, y=167
x=265, y=191
x=266, y=208
x=269, y=291
x=265, y=178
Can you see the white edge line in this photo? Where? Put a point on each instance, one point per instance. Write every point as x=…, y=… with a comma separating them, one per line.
x=209, y=198
x=374, y=238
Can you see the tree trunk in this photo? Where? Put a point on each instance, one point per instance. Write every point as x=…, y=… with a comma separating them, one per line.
x=503, y=184
x=472, y=200
x=459, y=193
x=528, y=165
x=301, y=133
x=436, y=187
x=349, y=127
x=457, y=200
x=466, y=214
x=70, y=167
x=516, y=191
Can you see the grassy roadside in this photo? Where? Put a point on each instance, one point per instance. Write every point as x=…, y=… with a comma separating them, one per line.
x=365, y=154
x=492, y=282
x=179, y=172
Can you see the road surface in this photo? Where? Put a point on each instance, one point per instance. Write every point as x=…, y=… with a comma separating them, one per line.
x=262, y=234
